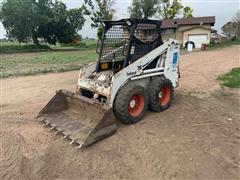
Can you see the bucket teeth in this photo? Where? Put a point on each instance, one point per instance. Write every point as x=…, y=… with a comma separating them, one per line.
x=80, y=146
x=47, y=123
x=72, y=142
x=52, y=128
x=42, y=119
x=65, y=137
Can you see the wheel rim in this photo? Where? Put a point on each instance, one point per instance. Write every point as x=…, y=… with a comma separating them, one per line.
x=136, y=105
x=164, y=95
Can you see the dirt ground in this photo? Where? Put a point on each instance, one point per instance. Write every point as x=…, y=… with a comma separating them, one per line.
x=197, y=138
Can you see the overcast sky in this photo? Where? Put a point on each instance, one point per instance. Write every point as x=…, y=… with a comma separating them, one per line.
x=224, y=10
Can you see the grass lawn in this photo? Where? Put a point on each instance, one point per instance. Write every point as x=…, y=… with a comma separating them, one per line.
x=223, y=44
x=8, y=47
x=12, y=47
x=19, y=64
x=231, y=79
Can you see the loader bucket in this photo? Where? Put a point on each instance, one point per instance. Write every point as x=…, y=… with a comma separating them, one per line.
x=78, y=118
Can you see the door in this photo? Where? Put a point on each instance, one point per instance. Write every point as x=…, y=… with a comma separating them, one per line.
x=198, y=39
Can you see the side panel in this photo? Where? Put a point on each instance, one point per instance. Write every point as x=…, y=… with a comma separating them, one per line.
x=171, y=70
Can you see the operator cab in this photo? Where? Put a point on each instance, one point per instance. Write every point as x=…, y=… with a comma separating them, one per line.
x=125, y=41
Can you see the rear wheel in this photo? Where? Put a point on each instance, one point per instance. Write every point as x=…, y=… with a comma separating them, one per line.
x=160, y=94
x=130, y=103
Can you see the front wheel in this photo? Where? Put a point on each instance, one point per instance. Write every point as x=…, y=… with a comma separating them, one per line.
x=131, y=103
x=160, y=94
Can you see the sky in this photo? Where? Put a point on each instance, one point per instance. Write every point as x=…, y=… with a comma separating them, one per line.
x=224, y=10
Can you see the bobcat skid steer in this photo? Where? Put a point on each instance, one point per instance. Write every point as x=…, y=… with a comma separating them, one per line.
x=134, y=71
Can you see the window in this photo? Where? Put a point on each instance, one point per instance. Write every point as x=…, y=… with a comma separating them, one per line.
x=146, y=32
x=167, y=31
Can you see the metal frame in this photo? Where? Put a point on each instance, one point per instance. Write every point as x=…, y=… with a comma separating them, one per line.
x=136, y=71
x=132, y=25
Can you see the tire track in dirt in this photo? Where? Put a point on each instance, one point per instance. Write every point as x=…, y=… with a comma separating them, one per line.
x=110, y=166
x=147, y=138
x=111, y=159
x=11, y=155
x=21, y=139
x=151, y=165
x=45, y=168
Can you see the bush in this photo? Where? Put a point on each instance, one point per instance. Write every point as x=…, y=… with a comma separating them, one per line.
x=80, y=45
x=23, y=48
x=224, y=43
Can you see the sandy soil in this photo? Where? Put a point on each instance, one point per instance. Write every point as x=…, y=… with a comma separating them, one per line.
x=197, y=138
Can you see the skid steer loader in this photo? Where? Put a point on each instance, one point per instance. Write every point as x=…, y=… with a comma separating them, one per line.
x=135, y=71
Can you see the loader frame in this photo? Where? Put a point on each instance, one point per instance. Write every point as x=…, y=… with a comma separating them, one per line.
x=131, y=50
x=162, y=61
x=139, y=69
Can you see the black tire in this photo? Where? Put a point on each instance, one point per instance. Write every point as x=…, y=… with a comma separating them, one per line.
x=122, y=109
x=164, y=85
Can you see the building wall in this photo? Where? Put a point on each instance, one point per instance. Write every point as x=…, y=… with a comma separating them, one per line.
x=167, y=34
x=165, y=37
x=197, y=31
x=181, y=33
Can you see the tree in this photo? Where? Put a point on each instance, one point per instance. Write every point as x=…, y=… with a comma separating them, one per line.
x=64, y=24
x=143, y=8
x=187, y=12
x=41, y=19
x=232, y=28
x=228, y=29
x=236, y=20
x=16, y=17
x=172, y=9
x=103, y=10
x=164, y=9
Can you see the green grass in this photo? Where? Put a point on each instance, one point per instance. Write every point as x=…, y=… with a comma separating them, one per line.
x=7, y=47
x=20, y=64
x=84, y=44
x=13, y=47
x=231, y=79
x=223, y=44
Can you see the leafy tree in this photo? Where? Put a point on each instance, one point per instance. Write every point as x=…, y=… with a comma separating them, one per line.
x=143, y=8
x=103, y=10
x=41, y=19
x=232, y=28
x=172, y=9
x=15, y=16
x=165, y=9
x=236, y=20
x=228, y=29
x=187, y=12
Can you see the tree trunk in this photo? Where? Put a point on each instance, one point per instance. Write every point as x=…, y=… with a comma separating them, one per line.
x=35, y=40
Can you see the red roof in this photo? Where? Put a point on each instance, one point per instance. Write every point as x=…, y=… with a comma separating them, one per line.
x=173, y=23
